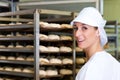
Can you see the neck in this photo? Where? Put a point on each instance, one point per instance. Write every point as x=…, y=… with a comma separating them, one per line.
x=90, y=51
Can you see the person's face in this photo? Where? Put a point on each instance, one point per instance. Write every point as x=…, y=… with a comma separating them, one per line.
x=85, y=34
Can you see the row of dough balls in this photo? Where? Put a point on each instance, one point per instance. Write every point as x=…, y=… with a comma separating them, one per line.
x=49, y=72
x=45, y=60
x=44, y=48
x=54, y=37
x=44, y=73
x=17, y=34
x=41, y=60
x=43, y=24
x=17, y=46
x=57, y=49
x=17, y=69
x=54, y=25
x=56, y=61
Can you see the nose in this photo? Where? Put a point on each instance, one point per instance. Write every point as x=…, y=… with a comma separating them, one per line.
x=78, y=33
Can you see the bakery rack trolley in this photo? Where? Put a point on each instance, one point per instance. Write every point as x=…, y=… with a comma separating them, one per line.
x=112, y=33
x=36, y=13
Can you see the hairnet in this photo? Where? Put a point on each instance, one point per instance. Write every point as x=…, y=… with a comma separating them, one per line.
x=91, y=16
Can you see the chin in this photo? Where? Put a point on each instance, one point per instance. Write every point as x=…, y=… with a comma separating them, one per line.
x=81, y=47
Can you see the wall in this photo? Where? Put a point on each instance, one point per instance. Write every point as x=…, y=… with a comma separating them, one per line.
x=111, y=10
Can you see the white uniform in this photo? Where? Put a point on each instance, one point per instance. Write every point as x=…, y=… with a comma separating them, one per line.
x=101, y=66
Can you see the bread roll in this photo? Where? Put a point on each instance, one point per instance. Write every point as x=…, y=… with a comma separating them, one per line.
x=66, y=26
x=43, y=49
x=67, y=61
x=65, y=49
x=29, y=35
x=54, y=25
x=43, y=37
x=65, y=71
x=44, y=24
x=19, y=46
x=2, y=78
x=8, y=68
x=1, y=68
x=11, y=58
x=17, y=69
x=3, y=57
x=20, y=58
x=10, y=46
x=2, y=46
x=28, y=70
x=30, y=23
x=2, y=35
x=80, y=60
x=63, y=37
x=77, y=70
x=51, y=72
x=29, y=46
x=78, y=49
x=3, y=25
x=44, y=61
x=18, y=23
x=55, y=61
x=42, y=73
x=53, y=49
x=11, y=24
x=30, y=58
x=18, y=34
x=53, y=37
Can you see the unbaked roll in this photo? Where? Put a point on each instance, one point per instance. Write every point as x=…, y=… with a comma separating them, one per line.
x=78, y=49
x=11, y=58
x=29, y=35
x=53, y=49
x=1, y=68
x=8, y=68
x=19, y=46
x=42, y=73
x=51, y=72
x=65, y=71
x=3, y=57
x=30, y=58
x=21, y=58
x=65, y=49
x=67, y=61
x=28, y=70
x=29, y=46
x=44, y=61
x=54, y=25
x=53, y=37
x=43, y=49
x=44, y=24
x=55, y=61
x=18, y=34
x=17, y=69
x=43, y=37
x=80, y=60
x=66, y=26
x=2, y=46
x=64, y=37
x=10, y=46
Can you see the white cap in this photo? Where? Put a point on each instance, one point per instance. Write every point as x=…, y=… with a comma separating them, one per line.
x=91, y=16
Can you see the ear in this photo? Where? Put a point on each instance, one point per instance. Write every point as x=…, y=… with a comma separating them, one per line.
x=97, y=33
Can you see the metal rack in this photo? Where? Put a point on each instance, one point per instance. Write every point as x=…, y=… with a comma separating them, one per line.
x=113, y=36
x=61, y=5
x=36, y=13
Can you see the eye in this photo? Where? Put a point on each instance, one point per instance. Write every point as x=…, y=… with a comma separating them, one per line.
x=84, y=28
x=75, y=27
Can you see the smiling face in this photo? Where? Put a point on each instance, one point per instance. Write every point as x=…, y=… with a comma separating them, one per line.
x=85, y=35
